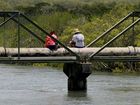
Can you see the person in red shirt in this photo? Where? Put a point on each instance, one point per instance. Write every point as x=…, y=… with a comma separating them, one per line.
x=51, y=43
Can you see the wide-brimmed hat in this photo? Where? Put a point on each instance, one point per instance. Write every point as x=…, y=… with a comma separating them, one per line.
x=76, y=30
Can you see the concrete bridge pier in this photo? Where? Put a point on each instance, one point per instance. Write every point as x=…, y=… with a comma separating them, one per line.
x=77, y=74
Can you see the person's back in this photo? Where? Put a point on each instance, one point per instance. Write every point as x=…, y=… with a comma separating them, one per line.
x=51, y=43
x=78, y=38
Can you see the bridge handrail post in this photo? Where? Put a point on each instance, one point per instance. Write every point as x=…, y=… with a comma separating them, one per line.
x=18, y=32
x=5, y=21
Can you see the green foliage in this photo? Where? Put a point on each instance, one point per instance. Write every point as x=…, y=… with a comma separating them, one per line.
x=4, y=6
x=56, y=65
x=56, y=21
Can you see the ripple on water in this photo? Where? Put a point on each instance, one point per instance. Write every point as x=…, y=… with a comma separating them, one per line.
x=126, y=89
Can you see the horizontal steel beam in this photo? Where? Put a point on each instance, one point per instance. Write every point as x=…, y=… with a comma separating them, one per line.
x=62, y=55
x=109, y=51
x=69, y=59
x=117, y=58
x=57, y=59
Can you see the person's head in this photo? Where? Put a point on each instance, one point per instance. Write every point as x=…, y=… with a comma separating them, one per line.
x=52, y=32
x=76, y=30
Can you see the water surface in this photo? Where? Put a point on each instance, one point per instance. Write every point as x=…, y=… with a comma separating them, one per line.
x=25, y=85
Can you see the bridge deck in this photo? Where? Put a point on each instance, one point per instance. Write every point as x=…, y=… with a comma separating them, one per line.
x=56, y=59
x=68, y=59
x=61, y=55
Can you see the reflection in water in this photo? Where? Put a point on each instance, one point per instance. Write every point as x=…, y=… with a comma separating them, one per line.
x=77, y=94
x=78, y=98
x=126, y=89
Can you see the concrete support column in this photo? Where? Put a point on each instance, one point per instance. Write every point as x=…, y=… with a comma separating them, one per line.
x=77, y=74
x=77, y=84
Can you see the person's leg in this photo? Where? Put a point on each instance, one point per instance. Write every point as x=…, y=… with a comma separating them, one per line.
x=52, y=47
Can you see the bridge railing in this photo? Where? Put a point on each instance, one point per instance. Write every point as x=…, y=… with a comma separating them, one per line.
x=16, y=17
x=134, y=22
x=110, y=29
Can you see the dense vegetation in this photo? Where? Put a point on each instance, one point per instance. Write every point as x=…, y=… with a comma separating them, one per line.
x=92, y=17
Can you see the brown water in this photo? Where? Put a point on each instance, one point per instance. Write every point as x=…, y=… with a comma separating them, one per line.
x=24, y=85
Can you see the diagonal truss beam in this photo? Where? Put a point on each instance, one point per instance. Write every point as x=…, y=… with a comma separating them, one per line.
x=50, y=36
x=27, y=29
x=4, y=22
x=117, y=36
x=32, y=33
x=110, y=29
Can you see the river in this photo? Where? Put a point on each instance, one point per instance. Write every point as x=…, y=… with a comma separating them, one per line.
x=26, y=85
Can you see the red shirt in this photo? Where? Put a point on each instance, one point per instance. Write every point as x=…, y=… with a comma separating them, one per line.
x=49, y=41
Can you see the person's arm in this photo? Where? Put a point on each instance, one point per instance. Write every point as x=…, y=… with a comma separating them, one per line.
x=72, y=42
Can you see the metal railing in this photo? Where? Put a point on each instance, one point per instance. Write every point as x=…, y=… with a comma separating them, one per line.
x=15, y=16
x=132, y=14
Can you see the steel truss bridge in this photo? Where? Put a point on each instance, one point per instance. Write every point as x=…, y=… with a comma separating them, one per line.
x=67, y=54
x=76, y=60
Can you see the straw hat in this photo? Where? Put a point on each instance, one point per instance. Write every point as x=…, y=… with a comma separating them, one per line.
x=76, y=30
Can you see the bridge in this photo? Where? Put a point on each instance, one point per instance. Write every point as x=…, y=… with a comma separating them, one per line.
x=77, y=61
